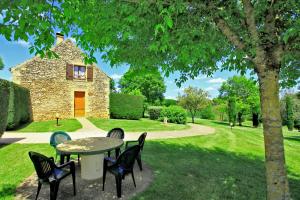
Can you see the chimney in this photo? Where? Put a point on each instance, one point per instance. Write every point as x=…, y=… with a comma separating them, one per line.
x=59, y=38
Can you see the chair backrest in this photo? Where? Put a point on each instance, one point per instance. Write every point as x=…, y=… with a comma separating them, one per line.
x=127, y=158
x=43, y=165
x=142, y=139
x=59, y=137
x=116, y=133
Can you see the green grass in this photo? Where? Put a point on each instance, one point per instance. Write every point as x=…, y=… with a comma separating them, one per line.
x=225, y=165
x=136, y=125
x=68, y=125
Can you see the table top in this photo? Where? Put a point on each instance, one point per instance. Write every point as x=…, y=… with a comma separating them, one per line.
x=90, y=146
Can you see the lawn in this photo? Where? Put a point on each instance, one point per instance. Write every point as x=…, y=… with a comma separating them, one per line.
x=68, y=125
x=136, y=125
x=225, y=165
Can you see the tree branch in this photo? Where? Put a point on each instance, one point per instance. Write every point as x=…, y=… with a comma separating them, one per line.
x=250, y=19
x=231, y=36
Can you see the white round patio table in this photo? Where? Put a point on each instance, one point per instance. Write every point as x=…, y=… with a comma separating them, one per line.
x=91, y=151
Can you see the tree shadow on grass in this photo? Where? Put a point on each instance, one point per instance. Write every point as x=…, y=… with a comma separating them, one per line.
x=189, y=172
x=293, y=138
x=7, y=191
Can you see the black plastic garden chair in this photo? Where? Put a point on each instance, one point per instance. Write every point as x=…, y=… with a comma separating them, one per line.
x=121, y=167
x=141, y=142
x=48, y=172
x=57, y=138
x=116, y=133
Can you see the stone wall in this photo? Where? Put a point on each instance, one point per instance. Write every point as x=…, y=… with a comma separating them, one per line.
x=52, y=93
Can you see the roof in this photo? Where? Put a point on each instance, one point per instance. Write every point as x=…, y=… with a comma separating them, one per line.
x=54, y=48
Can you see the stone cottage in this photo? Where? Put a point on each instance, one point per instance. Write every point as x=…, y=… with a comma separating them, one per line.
x=64, y=87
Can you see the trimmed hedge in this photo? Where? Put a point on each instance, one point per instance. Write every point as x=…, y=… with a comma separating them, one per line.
x=4, y=99
x=154, y=112
x=175, y=114
x=125, y=106
x=18, y=109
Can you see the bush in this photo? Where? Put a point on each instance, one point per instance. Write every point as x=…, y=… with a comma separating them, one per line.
x=175, y=114
x=232, y=111
x=18, y=109
x=154, y=112
x=207, y=112
x=4, y=99
x=169, y=102
x=297, y=124
x=125, y=106
x=289, y=113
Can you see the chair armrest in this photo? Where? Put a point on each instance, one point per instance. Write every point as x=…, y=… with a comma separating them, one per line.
x=51, y=158
x=70, y=163
x=130, y=141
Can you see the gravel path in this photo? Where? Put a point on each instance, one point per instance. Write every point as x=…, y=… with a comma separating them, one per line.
x=90, y=130
x=88, y=190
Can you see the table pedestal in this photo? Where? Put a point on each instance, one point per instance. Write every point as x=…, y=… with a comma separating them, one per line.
x=91, y=166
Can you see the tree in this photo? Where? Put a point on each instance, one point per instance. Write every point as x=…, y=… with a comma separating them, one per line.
x=289, y=113
x=189, y=37
x=147, y=80
x=221, y=107
x=1, y=64
x=246, y=93
x=112, y=85
x=193, y=99
x=232, y=111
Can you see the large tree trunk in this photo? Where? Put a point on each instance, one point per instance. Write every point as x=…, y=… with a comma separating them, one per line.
x=277, y=182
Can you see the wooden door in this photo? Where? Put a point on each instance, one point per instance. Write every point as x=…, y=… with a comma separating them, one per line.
x=79, y=104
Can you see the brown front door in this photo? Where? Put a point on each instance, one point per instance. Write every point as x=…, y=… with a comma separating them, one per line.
x=79, y=104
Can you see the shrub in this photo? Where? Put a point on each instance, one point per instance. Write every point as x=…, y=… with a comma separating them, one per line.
x=232, y=111
x=297, y=124
x=18, y=109
x=175, y=114
x=4, y=99
x=207, y=112
x=154, y=112
x=289, y=113
x=125, y=106
x=169, y=102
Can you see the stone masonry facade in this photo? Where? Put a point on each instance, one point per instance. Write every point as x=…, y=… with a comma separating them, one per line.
x=52, y=94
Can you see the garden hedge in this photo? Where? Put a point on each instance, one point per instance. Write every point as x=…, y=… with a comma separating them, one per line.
x=125, y=106
x=19, y=107
x=4, y=99
x=154, y=112
x=175, y=114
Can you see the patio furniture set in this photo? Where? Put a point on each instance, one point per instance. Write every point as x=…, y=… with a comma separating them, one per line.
x=94, y=157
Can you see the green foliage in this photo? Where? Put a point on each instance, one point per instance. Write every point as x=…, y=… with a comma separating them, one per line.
x=174, y=114
x=220, y=107
x=289, y=113
x=154, y=112
x=207, y=112
x=125, y=106
x=148, y=81
x=4, y=100
x=19, y=106
x=169, y=102
x=297, y=124
x=193, y=100
x=246, y=93
x=1, y=63
x=112, y=85
x=232, y=111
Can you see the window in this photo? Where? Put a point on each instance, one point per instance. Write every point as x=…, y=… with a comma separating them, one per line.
x=79, y=72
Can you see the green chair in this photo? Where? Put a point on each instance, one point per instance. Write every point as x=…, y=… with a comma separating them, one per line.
x=57, y=138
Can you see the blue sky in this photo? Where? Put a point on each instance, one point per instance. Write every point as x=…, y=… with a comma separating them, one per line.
x=14, y=53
